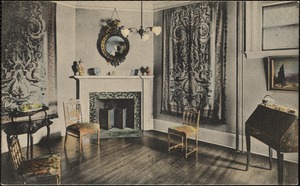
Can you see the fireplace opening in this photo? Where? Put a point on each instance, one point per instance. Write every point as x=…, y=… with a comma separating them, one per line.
x=116, y=113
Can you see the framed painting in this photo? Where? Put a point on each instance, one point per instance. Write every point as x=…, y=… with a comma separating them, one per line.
x=283, y=73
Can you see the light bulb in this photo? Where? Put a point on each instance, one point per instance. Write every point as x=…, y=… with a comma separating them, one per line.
x=145, y=37
x=125, y=32
x=103, y=23
x=156, y=30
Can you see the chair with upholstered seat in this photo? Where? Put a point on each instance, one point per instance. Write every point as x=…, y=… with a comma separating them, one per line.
x=36, y=169
x=188, y=129
x=75, y=126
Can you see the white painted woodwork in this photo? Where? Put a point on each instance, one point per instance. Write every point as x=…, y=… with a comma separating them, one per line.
x=253, y=38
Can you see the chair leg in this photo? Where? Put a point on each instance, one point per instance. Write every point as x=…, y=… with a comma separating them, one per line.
x=98, y=135
x=168, y=142
x=182, y=146
x=196, y=138
x=58, y=180
x=186, y=146
x=80, y=144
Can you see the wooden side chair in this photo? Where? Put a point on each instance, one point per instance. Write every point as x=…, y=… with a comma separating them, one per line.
x=188, y=129
x=35, y=169
x=75, y=126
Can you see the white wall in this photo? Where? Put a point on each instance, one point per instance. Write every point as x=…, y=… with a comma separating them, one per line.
x=65, y=57
x=87, y=29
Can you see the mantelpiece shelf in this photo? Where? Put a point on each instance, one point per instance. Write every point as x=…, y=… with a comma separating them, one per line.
x=112, y=77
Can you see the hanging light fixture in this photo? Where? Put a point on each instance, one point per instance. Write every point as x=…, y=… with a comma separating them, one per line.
x=143, y=33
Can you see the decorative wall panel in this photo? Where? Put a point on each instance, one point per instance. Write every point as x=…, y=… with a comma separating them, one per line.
x=194, y=60
x=28, y=55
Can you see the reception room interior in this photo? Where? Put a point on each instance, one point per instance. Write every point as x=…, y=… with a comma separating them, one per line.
x=149, y=92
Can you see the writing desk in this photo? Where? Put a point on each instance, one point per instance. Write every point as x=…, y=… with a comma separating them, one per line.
x=28, y=126
x=276, y=126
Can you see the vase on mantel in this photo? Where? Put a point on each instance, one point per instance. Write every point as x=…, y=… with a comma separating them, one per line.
x=147, y=69
x=80, y=68
x=143, y=70
x=75, y=68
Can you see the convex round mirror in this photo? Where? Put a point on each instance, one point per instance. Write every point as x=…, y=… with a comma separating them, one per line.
x=111, y=44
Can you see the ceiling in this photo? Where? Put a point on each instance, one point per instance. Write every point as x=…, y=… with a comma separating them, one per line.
x=124, y=5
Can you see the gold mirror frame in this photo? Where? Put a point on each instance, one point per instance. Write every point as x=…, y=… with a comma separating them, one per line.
x=107, y=32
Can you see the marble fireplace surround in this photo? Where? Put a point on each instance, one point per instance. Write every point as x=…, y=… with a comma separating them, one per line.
x=101, y=85
x=95, y=97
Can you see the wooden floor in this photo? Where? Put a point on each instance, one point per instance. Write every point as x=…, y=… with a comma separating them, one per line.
x=145, y=160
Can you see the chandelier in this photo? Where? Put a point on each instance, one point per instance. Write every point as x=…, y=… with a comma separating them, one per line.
x=143, y=33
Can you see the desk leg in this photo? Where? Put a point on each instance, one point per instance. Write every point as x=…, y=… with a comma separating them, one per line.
x=28, y=144
x=31, y=146
x=48, y=140
x=248, y=147
x=280, y=167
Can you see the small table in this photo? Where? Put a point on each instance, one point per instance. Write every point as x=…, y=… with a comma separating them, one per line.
x=29, y=126
x=276, y=126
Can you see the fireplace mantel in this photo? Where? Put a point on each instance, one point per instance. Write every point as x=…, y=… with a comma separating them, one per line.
x=143, y=84
x=113, y=77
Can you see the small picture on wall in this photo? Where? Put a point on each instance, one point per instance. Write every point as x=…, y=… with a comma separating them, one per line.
x=283, y=73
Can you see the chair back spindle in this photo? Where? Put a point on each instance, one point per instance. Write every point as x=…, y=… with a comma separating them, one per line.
x=191, y=117
x=72, y=112
x=15, y=151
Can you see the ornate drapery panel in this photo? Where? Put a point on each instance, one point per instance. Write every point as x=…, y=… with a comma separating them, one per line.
x=28, y=60
x=194, y=60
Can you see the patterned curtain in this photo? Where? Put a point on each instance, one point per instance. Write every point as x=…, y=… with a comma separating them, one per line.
x=194, y=60
x=28, y=55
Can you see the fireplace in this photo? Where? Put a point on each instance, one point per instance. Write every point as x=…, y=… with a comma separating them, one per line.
x=96, y=91
x=111, y=109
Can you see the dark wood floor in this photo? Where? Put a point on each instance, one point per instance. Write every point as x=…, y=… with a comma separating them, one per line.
x=146, y=160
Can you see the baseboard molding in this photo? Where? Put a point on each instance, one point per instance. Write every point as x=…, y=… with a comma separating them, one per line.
x=226, y=140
